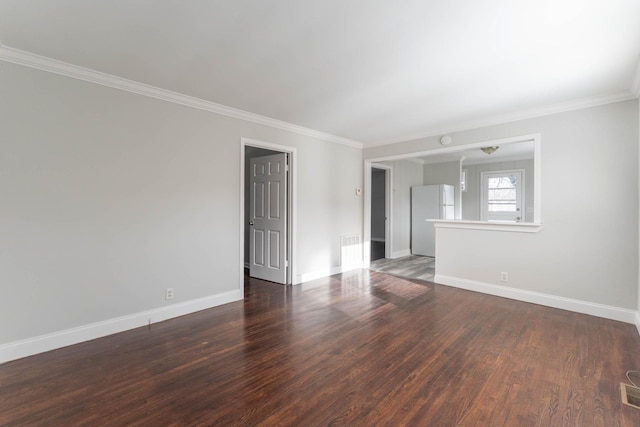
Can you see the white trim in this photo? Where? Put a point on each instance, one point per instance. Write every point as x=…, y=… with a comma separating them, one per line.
x=366, y=221
x=388, y=211
x=518, y=227
x=537, y=179
x=400, y=254
x=31, y=60
x=635, y=86
x=377, y=239
x=29, y=347
x=578, y=306
x=512, y=117
x=535, y=137
x=637, y=321
x=293, y=203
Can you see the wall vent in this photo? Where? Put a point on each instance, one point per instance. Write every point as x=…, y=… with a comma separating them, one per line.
x=350, y=250
x=630, y=395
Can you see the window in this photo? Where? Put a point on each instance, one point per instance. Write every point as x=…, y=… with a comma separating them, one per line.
x=463, y=180
x=502, y=195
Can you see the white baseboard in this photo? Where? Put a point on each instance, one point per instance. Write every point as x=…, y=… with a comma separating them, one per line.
x=400, y=254
x=637, y=319
x=578, y=306
x=307, y=277
x=40, y=344
x=377, y=239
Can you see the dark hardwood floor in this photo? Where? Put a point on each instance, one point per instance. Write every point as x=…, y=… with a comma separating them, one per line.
x=409, y=267
x=377, y=250
x=359, y=349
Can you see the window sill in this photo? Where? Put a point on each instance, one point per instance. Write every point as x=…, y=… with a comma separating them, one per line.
x=515, y=227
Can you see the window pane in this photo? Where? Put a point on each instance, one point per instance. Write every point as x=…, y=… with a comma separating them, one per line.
x=501, y=195
x=503, y=182
x=502, y=207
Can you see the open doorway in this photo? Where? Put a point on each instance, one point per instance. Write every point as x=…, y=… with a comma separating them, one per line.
x=380, y=205
x=378, y=213
x=267, y=211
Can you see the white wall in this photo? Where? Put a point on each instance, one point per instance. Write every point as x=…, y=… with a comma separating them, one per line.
x=109, y=197
x=587, y=249
x=446, y=173
x=405, y=175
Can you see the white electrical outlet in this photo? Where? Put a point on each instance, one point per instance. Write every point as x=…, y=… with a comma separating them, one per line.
x=504, y=276
x=168, y=293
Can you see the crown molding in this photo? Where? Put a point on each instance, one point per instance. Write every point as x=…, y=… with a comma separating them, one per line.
x=635, y=86
x=512, y=117
x=31, y=60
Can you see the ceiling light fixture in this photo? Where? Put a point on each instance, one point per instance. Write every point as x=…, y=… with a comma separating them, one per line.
x=490, y=150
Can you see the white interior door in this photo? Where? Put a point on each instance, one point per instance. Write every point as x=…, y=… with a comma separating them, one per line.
x=268, y=218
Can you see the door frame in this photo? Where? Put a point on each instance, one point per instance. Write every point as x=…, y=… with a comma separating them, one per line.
x=291, y=205
x=483, y=191
x=388, y=203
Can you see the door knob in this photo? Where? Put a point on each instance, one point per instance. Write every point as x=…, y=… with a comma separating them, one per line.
x=250, y=222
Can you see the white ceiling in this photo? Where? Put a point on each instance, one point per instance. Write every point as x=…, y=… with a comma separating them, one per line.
x=513, y=151
x=370, y=71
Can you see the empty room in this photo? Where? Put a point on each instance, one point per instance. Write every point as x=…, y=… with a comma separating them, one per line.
x=312, y=213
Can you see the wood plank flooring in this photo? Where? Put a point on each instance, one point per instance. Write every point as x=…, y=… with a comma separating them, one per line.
x=411, y=267
x=359, y=349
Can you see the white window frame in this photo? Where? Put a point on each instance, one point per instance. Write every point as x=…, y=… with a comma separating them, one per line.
x=484, y=214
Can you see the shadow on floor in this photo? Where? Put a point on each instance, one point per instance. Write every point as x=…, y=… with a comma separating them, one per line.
x=412, y=266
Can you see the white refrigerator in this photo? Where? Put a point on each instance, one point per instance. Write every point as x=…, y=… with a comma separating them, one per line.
x=428, y=202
